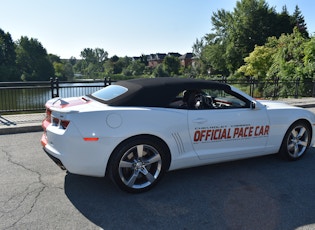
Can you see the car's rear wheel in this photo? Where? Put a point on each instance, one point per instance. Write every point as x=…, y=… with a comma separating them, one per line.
x=138, y=164
x=296, y=141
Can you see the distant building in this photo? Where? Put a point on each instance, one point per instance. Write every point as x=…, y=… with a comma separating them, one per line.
x=156, y=59
x=186, y=59
x=174, y=54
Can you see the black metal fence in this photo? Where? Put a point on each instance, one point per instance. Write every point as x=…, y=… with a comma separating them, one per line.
x=274, y=89
x=31, y=96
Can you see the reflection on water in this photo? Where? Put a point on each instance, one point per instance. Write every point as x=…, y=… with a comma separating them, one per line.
x=33, y=98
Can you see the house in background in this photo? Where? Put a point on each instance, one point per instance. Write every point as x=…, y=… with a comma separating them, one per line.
x=156, y=59
x=186, y=59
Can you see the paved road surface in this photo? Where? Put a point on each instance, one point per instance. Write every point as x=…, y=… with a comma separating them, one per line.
x=260, y=193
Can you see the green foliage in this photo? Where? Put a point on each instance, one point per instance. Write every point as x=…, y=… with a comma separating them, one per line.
x=8, y=70
x=159, y=71
x=32, y=60
x=171, y=65
x=135, y=68
x=92, y=63
x=288, y=60
x=258, y=63
x=64, y=71
x=309, y=58
x=299, y=22
x=237, y=33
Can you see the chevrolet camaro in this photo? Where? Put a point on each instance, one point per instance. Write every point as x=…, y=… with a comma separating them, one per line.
x=136, y=130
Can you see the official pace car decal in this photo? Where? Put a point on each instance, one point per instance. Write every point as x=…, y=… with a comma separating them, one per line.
x=234, y=132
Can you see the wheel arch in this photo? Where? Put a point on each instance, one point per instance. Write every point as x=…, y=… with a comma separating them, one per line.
x=148, y=136
x=304, y=120
x=282, y=151
x=308, y=123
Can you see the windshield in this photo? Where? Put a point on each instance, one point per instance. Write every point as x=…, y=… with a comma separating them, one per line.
x=109, y=92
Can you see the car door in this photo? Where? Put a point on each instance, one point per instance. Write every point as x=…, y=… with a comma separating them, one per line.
x=228, y=132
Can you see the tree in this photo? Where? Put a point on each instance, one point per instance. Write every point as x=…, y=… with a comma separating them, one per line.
x=73, y=60
x=258, y=63
x=284, y=24
x=289, y=58
x=8, y=69
x=299, y=22
x=288, y=64
x=215, y=59
x=54, y=58
x=198, y=47
x=309, y=58
x=237, y=33
x=135, y=68
x=159, y=71
x=143, y=59
x=68, y=71
x=253, y=22
x=33, y=61
x=64, y=71
x=171, y=65
x=93, y=61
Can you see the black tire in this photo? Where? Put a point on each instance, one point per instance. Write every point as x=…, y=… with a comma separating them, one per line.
x=296, y=141
x=138, y=164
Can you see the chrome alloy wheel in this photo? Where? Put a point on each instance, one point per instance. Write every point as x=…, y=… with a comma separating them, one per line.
x=140, y=166
x=297, y=141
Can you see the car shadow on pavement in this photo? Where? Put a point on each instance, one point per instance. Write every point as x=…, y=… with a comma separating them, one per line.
x=258, y=193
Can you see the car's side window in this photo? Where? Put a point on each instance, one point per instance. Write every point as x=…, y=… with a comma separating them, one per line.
x=225, y=100
x=198, y=99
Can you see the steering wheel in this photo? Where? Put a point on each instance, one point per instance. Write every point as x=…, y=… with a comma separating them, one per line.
x=203, y=102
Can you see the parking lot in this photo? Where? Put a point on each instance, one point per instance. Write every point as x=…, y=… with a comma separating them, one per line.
x=259, y=193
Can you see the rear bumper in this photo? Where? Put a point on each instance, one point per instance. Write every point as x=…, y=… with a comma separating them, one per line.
x=72, y=153
x=56, y=160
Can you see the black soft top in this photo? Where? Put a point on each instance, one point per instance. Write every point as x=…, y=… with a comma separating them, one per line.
x=158, y=92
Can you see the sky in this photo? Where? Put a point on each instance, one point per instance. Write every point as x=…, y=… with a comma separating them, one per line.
x=122, y=27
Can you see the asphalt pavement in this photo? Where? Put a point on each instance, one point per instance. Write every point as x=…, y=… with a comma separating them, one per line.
x=258, y=193
x=22, y=123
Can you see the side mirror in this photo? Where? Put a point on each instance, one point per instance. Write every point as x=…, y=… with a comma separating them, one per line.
x=252, y=105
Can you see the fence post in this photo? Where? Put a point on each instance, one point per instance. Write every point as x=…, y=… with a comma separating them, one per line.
x=254, y=83
x=57, y=87
x=251, y=86
x=107, y=81
x=275, y=89
x=52, y=87
x=297, y=84
x=224, y=80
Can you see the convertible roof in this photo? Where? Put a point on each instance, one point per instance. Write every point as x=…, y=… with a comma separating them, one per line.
x=159, y=92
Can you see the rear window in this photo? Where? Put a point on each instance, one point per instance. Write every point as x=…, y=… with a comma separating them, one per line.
x=109, y=92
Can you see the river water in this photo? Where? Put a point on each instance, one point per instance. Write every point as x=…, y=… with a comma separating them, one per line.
x=34, y=98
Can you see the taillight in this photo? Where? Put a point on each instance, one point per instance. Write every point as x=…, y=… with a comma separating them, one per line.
x=64, y=123
x=60, y=123
x=55, y=121
x=48, y=114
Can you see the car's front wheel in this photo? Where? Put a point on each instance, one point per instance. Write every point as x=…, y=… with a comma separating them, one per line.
x=296, y=141
x=138, y=164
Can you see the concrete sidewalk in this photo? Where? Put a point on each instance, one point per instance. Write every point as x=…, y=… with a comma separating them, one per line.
x=21, y=123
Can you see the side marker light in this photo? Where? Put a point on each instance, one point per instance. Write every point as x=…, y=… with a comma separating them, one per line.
x=90, y=138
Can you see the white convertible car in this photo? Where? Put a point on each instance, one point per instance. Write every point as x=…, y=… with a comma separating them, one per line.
x=134, y=131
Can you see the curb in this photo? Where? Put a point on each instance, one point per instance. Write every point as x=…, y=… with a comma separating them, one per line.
x=24, y=129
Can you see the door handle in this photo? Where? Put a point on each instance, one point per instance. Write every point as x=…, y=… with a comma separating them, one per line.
x=200, y=120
